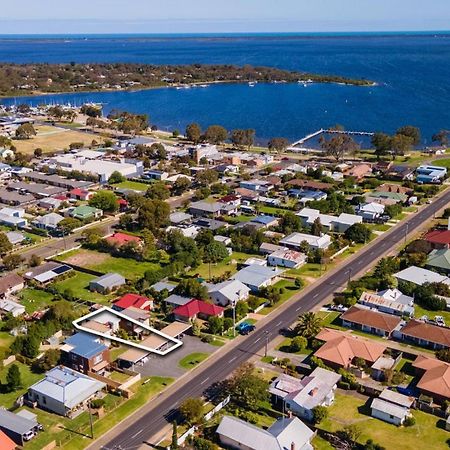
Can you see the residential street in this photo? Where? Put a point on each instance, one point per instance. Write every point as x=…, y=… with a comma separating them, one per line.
x=150, y=420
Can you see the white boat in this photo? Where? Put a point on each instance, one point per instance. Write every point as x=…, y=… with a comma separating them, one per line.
x=252, y=83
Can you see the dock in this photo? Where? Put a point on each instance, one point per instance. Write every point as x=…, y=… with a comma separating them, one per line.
x=328, y=131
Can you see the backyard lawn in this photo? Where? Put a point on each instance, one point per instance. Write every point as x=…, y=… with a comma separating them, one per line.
x=444, y=162
x=27, y=377
x=349, y=409
x=104, y=262
x=190, y=361
x=133, y=185
x=79, y=287
x=35, y=299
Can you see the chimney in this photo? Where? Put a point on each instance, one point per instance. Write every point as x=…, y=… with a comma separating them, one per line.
x=292, y=445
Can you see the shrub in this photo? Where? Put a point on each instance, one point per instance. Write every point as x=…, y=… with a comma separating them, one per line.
x=97, y=403
x=409, y=421
x=320, y=413
x=344, y=385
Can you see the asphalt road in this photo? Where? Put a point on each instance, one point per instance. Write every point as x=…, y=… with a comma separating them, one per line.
x=139, y=430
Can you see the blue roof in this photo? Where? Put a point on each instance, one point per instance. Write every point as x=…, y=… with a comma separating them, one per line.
x=85, y=345
x=265, y=220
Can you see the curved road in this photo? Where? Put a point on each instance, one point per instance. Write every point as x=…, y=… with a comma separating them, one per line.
x=140, y=429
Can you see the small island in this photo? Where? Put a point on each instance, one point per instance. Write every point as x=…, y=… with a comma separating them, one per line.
x=35, y=79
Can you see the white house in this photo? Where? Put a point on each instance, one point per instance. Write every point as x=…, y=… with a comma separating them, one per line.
x=11, y=307
x=314, y=390
x=294, y=241
x=287, y=258
x=228, y=292
x=388, y=411
x=256, y=276
x=370, y=211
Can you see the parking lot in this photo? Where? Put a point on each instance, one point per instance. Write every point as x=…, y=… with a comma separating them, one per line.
x=168, y=366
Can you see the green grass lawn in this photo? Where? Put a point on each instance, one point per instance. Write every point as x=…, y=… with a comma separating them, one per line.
x=5, y=339
x=58, y=428
x=134, y=185
x=190, y=361
x=27, y=377
x=321, y=444
x=419, y=311
x=35, y=299
x=351, y=410
x=216, y=270
x=444, y=162
x=115, y=352
x=308, y=270
x=79, y=286
x=119, y=376
x=328, y=317
x=103, y=262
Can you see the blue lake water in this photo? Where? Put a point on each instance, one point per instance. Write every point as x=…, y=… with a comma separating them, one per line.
x=412, y=72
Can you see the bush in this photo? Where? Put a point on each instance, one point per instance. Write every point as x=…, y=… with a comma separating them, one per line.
x=320, y=413
x=97, y=403
x=409, y=421
x=298, y=343
x=207, y=338
x=344, y=385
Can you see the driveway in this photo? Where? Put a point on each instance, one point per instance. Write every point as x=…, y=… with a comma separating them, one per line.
x=167, y=366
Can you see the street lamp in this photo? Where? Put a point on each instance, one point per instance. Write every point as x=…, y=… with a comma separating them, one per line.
x=267, y=342
x=233, y=305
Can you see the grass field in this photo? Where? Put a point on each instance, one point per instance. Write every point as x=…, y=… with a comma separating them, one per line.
x=27, y=377
x=190, y=361
x=444, y=162
x=348, y=409
x=50, y=139
x=34, y=299
x=79, y=287
x=134, y=185
x=104, y=262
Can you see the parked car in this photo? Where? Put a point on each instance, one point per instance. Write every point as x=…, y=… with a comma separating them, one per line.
x=245, y=328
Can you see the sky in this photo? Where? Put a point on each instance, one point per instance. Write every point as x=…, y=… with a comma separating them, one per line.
x=221, y=16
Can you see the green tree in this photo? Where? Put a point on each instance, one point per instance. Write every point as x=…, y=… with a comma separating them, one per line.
x=68, y=224
x=116, y=177
x=11, y=262
x=316, y=227
x=30, y=346
x=308, y=325
x=215, y=252
x=382, y=143
x=289, y=223
x=5, y=245
x=25, y=131
x=192, y=410
x=207, y=177
x=243, y=138
x=278, y=144
x=35, y=260
x=154, y=215
x=193, y=132
x=298, y=344
x=104, y=200
x=50, y=359
x=37, y=152
x=247, y=389
x=413, y=133
x=359, y=233
x=441, y=137
x=401, y=144
x=190, y=287
x=320, y=413
x=158, y=191
x=216, y=134
x=215, y=325
x=340, y=145
x=13, y=378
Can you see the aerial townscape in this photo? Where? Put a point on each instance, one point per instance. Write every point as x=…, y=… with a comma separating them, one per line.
x=175, y=276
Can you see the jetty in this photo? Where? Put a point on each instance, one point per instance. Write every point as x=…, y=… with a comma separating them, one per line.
x=328, y=131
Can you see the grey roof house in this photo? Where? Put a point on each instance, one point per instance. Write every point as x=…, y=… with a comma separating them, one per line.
x=284, y=434
x=48, y=221
x=64, y=390
x=228, y=292
x=17, y=427
x=256, y=276
x=107, y=283
x=316, y=389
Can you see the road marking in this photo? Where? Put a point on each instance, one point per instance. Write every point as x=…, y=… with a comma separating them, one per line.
x=279, y=323
x=232, y=359
x=315, y=295
x=136, y=434
x=299, y=308
x=205, y=380
x=257, y=340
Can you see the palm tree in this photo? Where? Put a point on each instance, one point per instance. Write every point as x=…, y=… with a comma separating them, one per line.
x=308, y=325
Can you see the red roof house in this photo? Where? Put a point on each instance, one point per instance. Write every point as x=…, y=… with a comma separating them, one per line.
x=120, y=239
x=197, y=309
x=80, y=194
x=438, y=238
x=6, y=443
x=133, y=300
